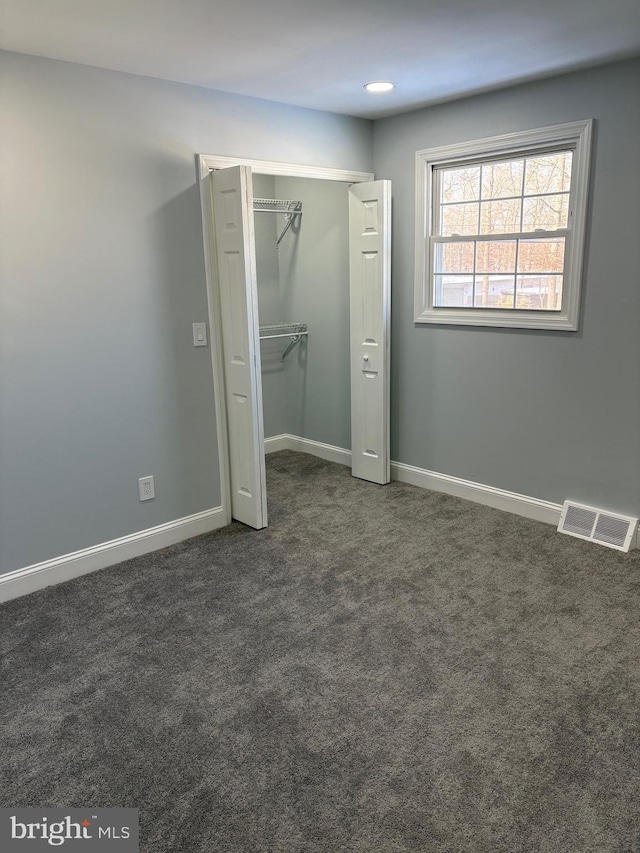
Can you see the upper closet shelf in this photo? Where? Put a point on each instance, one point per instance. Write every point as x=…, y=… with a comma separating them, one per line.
x=277, y=205
x=295, y=331
x=290, y=208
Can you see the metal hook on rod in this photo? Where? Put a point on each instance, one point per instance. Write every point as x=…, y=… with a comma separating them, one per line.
x=290, y=208
x=289, y=218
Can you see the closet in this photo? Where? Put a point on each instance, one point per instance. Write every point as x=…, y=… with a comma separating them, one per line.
x=302, y=269
x=307, y=256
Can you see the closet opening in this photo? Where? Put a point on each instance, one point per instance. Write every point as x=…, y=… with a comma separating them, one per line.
x=298, y=275
x=302, y=271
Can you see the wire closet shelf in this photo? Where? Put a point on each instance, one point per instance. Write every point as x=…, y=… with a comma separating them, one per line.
x=294, y=331
x=290, y=208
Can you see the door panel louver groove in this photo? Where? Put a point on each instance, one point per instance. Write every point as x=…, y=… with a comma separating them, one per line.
x=595, y=525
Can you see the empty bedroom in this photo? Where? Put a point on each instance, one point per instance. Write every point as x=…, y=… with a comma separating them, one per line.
x=320, y=426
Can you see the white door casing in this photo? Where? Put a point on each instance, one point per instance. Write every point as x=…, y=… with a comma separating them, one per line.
x=235, y=250
x=370, y=306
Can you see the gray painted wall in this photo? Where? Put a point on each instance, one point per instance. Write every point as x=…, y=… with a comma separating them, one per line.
x=314, y=281
x=306, y=279
x=551, y=415
x=102, y=275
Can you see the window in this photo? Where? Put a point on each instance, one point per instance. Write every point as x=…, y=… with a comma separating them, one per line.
x=500, y=230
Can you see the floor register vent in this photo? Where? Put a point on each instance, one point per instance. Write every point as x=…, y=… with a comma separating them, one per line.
x=596, y=525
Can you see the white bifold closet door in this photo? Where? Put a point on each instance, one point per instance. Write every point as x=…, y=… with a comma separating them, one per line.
x=235, y=249
x=370, y=257
x=370, y=306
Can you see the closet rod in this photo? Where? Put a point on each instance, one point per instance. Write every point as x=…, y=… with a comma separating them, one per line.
x=290, y=208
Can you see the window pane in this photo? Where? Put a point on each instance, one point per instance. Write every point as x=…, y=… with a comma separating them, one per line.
x=541, y=255
x=494, y=291
x=550, y=173
x=502, y=179
x=461, y=184
x=454, y=257
x=496, y=256
x=500, y=217
x=459, y=219
x=548, y=211
x=453, y=291
x=539, y=291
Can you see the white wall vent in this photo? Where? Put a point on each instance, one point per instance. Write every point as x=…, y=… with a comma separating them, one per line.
x=596, y=525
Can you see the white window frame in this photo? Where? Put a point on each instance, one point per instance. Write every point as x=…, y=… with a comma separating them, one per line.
x=574, y=136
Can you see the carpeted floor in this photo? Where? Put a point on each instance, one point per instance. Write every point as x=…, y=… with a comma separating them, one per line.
x=384, y=669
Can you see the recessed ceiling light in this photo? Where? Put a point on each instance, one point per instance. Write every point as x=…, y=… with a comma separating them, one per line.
x=379, y=86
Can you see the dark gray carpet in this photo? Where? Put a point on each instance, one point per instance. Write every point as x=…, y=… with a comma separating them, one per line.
x=383, y=669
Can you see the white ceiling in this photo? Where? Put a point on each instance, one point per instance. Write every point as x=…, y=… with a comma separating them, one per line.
x=319, y=53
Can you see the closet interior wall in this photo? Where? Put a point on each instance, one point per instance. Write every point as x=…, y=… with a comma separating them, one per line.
x=270, y=310
x=306, y=280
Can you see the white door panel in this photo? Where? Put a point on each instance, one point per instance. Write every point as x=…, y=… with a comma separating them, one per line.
x=235, y=250
x=370, y=276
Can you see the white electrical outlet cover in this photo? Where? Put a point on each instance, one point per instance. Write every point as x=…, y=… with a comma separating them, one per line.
x=146, y=489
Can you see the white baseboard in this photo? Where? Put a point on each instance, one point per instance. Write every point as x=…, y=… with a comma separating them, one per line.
x=318, y=448
x=307, y=445
x=40, y=575
x=477, y=492
x=276, y=442
x=49, y=572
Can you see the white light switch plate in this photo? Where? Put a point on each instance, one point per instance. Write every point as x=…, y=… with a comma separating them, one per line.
x=199, y=334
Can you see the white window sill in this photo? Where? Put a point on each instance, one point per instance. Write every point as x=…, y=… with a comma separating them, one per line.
x=513, y=319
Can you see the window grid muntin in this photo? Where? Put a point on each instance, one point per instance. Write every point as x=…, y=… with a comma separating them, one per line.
x=436, y=237
x=515, y=283
x=502, y=198
x=482, y=161
x=512, y=279
x=482, y=238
